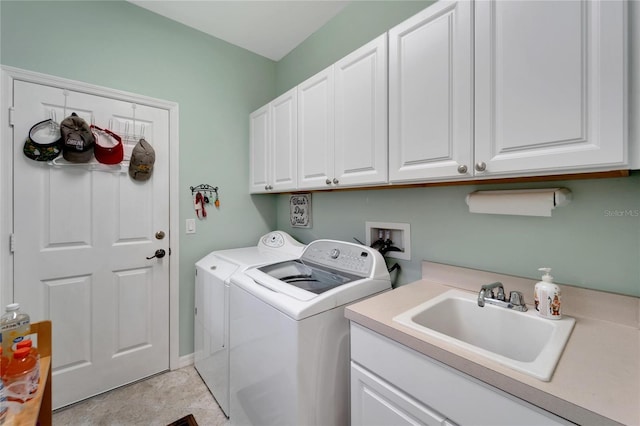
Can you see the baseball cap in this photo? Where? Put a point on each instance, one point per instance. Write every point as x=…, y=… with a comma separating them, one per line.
x=143, y=157
x=78, y=141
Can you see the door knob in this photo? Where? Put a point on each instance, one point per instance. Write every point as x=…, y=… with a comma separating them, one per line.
x=159, y=254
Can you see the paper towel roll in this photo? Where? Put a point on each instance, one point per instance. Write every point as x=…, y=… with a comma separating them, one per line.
x=523, y=202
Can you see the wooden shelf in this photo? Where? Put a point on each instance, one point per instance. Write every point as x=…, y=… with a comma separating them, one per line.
x=38, y=410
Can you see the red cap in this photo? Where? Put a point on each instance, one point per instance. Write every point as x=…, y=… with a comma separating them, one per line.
x=21, y=353
x=26, y=343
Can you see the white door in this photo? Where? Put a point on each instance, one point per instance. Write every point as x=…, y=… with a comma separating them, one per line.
x=82, y=238
x=550, y=86
x=431, y=94
x=316, y=131
x=361, y=115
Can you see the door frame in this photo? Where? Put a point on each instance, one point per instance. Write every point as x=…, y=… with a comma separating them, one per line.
x=10, y=74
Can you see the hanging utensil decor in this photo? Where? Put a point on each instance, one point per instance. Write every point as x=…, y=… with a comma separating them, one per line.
x=202, y=195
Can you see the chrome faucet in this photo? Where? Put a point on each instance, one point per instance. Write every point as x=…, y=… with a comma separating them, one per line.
x=486, y=294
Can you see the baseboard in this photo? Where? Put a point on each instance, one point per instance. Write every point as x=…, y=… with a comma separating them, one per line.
x=185, y=360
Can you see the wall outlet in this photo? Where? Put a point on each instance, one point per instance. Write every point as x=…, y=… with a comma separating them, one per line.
x=398, y=233
x=191, y=226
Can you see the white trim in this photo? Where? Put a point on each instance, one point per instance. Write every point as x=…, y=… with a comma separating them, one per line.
x=185, y=361
x=11, y=74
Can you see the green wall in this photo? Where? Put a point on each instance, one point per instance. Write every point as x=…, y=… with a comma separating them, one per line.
x=119, y=45
x=358, y=23
x=586, y=243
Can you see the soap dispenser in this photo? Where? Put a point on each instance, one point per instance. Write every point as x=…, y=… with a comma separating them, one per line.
x=547, y=296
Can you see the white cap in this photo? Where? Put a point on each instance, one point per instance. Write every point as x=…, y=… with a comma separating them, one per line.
x=12, y=307
x=546, y=277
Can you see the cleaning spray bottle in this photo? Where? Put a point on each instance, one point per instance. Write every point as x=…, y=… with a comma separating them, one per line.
x=547, y=296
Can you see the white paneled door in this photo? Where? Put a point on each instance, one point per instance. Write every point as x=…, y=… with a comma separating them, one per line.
x=83, y=239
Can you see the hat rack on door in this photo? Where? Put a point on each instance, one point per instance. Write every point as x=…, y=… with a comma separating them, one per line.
x=203, y=194
x=129, y=135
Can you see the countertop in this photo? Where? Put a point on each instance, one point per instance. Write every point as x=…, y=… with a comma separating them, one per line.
x=597, y=379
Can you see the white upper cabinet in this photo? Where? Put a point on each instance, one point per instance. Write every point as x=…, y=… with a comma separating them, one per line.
x=342, y=121
x=361, y=140
x=316, y=130
x=550, y=83
x=537, y=87
x=431, y=94
x=273, y=145
x=259, y=150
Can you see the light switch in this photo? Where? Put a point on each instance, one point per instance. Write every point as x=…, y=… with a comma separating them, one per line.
x=191, y=226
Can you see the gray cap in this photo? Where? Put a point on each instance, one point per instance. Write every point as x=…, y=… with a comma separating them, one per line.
x=143, y=157
x=78, y=141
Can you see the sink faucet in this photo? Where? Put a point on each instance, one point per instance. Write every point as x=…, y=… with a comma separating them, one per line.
x=486, y=294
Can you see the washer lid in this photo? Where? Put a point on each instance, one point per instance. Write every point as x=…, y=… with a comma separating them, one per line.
x=306, y=276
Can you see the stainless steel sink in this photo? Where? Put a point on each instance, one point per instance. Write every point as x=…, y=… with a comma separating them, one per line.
x=519, y=340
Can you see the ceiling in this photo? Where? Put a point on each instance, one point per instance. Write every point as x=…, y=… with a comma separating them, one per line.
x=269, y=28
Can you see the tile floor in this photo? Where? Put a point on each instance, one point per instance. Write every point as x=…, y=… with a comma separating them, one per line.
x=159, y=400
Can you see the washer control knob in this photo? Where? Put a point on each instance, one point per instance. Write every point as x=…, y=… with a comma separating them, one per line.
x=334, y=253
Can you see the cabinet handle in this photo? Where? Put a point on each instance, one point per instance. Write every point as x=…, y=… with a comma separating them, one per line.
x=328, y=181
x=335, y=181
x=481, y=166
x=462, y=169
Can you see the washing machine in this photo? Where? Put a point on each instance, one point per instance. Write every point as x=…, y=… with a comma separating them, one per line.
x=289, y=354
x=211, y=320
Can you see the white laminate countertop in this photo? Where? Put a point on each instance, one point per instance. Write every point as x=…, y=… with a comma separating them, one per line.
x=596, y=381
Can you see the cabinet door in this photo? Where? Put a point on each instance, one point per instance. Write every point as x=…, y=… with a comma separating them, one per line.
x=374, y=402
x=361, y=115
x=284, y=141
x=550, y=86
x=316, y=131
x=431, y=94
x=259, y=150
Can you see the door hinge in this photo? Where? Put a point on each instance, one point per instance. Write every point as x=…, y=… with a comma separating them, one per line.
x=12, y=110
x=12, y=243
x=169, y=251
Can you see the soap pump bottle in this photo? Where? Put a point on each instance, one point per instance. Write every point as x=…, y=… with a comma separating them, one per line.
x=547, y=296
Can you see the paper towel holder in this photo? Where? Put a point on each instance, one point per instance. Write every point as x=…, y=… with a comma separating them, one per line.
x=521, y=202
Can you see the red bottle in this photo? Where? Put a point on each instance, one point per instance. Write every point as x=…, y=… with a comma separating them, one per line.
x=19, y=375
x=27, y=343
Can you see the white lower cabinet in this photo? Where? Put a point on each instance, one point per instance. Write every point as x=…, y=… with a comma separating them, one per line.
x=394, y=385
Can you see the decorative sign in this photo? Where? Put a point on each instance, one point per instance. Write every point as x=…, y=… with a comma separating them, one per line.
x=300, y=210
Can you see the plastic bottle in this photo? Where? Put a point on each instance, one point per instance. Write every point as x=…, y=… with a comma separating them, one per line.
x=14, y=325
x=3, y=395
x=547, y=297
x=27, y=343
x=19, y=375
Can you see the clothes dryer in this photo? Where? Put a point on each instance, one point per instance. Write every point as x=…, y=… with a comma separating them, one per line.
x=211, y=320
